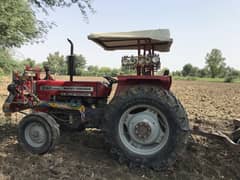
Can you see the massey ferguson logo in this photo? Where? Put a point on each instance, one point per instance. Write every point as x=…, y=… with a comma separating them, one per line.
x=67, y=88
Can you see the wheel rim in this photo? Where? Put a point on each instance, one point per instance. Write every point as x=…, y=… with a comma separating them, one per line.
x=143, y=129
x=35, y=134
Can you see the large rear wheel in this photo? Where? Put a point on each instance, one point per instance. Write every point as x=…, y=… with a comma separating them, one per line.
x=146, y=126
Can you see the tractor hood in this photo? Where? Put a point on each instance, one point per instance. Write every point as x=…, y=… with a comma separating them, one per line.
x=158, y=38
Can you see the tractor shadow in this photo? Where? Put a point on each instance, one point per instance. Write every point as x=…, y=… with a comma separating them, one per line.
x=7, y=131
x=84, y=155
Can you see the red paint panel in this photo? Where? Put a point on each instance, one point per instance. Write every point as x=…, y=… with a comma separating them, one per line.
x=125, y=81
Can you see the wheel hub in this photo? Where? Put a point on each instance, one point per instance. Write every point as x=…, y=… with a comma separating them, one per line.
x=142, y=130
x=35, y=135
x=144, y=127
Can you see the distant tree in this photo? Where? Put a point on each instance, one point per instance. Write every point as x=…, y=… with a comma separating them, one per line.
x=92, y=70
x=115, y=72
x=176, y=73
x=215, y=62
x=40, y=65
x=234, y=72
x=187, y=69
x=104, y=71
x=231, y=74
x=56, y=63
x=7, y=63
x=80, y=63
x=18, y=23
x=190, y=70
x=126, y=71
x=30, y=62
x=194, y=71
x=203, y=72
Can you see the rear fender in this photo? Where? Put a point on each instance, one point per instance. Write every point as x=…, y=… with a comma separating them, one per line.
x=124, y=82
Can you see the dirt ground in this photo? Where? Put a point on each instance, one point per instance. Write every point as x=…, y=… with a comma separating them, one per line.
x=82, y=155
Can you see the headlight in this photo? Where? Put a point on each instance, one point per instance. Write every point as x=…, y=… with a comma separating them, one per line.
x=125, y=61
x=141, y=60
x=133, y=60
x=156, y=59
x=147, y=60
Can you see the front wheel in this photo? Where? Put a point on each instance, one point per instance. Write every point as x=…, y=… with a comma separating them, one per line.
x=38, y=133
x=146, y=126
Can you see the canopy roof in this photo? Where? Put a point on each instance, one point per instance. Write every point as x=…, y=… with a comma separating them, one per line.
x=158, y=38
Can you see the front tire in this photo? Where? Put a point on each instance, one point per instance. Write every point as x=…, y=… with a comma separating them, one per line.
x=38, y=133
x=146, y=126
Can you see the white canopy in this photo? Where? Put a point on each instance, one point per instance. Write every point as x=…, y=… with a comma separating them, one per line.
x=159, y=39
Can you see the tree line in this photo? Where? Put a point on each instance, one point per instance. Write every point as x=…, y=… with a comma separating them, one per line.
x=57, y=64
x=215, y=67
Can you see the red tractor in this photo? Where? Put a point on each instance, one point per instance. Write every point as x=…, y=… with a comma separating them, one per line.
x=144, y=123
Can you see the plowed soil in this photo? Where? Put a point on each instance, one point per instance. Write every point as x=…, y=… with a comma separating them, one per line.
x=83, y=155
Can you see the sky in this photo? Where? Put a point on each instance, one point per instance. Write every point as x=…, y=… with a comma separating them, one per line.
x=196, y=26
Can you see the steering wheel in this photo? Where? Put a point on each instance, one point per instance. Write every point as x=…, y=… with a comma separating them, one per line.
x=111, y=80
